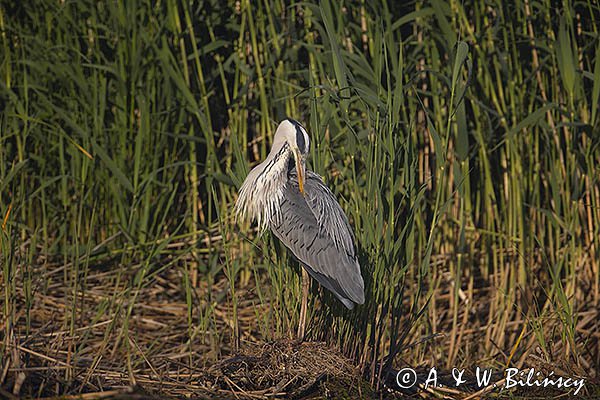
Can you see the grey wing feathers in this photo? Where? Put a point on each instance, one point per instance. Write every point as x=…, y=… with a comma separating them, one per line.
x=329, y=214
x=315, y=228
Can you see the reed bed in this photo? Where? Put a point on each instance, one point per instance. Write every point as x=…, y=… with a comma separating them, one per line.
x=461, y=138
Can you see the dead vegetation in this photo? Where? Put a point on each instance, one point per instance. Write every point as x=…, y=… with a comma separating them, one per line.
x=157, y=352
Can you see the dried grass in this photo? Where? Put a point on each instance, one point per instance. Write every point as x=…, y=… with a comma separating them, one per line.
x=160, y=355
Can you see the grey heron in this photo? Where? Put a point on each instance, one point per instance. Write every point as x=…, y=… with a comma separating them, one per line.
x=304, y=215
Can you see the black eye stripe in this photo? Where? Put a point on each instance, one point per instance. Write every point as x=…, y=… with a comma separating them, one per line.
x=300, y=141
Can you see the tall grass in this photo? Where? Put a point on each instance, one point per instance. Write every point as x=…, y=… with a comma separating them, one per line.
x=461, y=139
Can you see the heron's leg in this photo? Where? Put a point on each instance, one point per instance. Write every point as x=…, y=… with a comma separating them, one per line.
x=304, y=305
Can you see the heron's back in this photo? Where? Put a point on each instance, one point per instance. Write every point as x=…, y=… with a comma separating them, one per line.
x=316, y=230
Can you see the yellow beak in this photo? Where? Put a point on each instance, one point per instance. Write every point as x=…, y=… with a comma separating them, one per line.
x=300, y=172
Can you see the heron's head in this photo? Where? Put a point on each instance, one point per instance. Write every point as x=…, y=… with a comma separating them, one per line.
x=291, y=132
x=261, y=191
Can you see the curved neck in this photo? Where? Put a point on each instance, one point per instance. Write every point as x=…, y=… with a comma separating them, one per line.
x=262, y=190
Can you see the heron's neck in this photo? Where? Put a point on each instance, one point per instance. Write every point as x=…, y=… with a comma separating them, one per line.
x=263, y=188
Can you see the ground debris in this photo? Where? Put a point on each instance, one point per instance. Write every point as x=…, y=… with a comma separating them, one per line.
x=286, y=368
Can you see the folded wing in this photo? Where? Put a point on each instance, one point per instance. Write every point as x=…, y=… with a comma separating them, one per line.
x=316, y=230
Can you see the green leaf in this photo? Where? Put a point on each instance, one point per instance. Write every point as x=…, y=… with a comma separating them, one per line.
x=596, y=87
x=462, y=50
x=112, y=166
x=441, y=9
x=422, y=13
x=530, y=120
x=565, y=58
x=11, y=174
x=338, y=62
